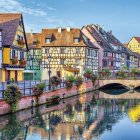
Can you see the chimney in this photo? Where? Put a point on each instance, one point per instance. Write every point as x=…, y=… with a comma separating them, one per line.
x=110, y=32
x=68, y=29
x=31, y=31
x=98, y=27
x=59, y=29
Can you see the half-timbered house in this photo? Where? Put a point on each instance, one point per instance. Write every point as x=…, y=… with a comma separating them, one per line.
x=68, y=50
x=14, y=46
x=34, y=56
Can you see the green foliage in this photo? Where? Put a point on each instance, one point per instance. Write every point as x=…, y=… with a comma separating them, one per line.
x=12, y=95
x=122, y=74
x=13, y=128
x=38, y=89
x=88, y=73
x=78, y=81
x=70, y=80
x=55, y=81
x=104, y=73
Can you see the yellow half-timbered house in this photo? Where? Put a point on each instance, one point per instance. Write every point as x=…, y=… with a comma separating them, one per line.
x=13, y=46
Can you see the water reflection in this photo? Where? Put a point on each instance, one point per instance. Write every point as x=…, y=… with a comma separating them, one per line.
x=88, y=116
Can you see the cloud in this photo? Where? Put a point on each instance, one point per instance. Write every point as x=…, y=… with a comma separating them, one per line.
x=51, y=8
x=16, y=6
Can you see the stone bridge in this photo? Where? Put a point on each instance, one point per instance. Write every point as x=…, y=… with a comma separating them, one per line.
x=125, y=83
x=126, y=95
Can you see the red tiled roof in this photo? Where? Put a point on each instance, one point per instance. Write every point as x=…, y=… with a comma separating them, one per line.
x=31, y=37
x=138, y=39
x=65, y=38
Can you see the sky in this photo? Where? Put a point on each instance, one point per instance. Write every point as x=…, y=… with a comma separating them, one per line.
x=120, y=16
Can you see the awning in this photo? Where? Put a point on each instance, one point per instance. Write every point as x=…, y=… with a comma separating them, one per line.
x=14, y=68
x=28, y=71
x=72, y=69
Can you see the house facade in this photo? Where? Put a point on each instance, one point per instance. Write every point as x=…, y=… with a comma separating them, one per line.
x=0, y=55
x=34, y=57
x=134, y=44
x=112, y=53
x=69, y=51
x=14, y=46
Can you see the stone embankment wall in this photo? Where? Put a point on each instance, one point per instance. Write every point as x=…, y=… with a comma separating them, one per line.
x=26, y=102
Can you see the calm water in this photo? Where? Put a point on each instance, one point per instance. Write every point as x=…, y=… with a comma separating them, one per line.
x=91, y=117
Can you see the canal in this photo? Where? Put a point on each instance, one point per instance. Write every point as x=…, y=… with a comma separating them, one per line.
x=91, y=116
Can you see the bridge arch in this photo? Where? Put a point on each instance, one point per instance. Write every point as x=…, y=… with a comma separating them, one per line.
x=114, y=86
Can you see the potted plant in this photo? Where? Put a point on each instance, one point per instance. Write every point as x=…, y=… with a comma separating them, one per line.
x=12, y=95
x=20, y=42
x=78, y=81
x=38, y=90
x=14, y=60
x=70, y=80
x=88, y=73
x=23, y=62
x=55, y=81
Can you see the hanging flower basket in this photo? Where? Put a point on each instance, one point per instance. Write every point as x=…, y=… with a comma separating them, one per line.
x=38, y=89
x=23, y=62
x=14, y=60
x=88, y=73
x=20, y=42
x=55, y=81
x=79, y=81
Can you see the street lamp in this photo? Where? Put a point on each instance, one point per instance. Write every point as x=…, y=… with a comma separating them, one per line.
x=49, y=60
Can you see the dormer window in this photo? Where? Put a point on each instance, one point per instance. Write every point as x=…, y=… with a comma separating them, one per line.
x=48, y=40
x=76, y=40
x=34, y=43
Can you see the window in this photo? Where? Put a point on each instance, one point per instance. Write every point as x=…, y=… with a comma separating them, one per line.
x=62, y=61
x=88, y=52
x=34, y=42
x=19, y=38
x=62, y=50
x=46, y=51
x=78, y=50
x=104, y=63
x=13, y=53
x=48, y=40
x=112, y=63
x=105, y=54
x=95, y=53
x=21, y=55
x=76, y=40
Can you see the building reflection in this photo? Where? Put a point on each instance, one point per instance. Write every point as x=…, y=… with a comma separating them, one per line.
x=86, y=116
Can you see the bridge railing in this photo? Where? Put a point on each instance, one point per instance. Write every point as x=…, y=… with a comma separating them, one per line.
x=113, y=75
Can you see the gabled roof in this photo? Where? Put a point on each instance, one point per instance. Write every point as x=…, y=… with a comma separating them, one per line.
x=88, y=42
x=138, y=39
x=63, y=38
x=33, y=37
x=99, y=39
x=9, y=23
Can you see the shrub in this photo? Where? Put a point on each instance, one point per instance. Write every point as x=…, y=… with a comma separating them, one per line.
x=12, y=95
x=55, y=81
x=78, y=81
